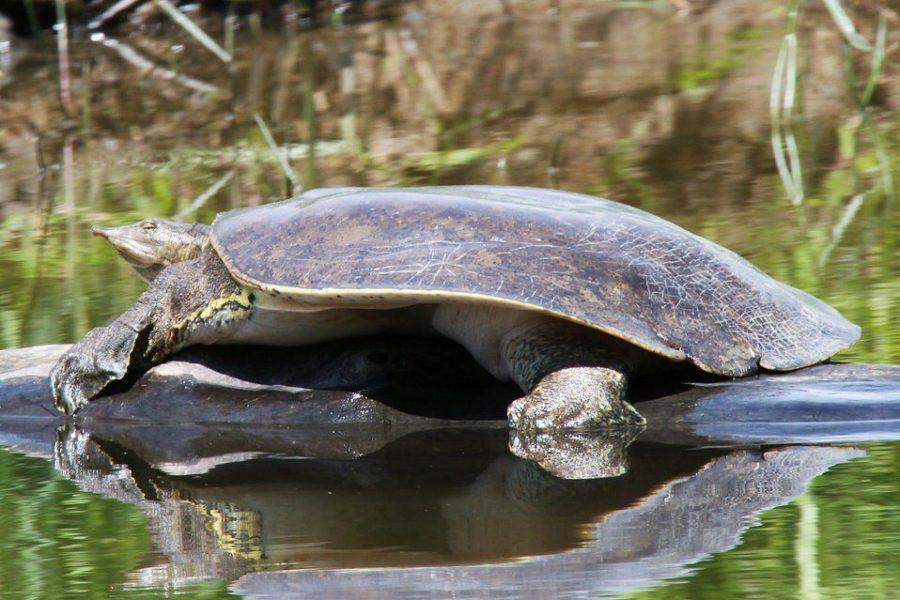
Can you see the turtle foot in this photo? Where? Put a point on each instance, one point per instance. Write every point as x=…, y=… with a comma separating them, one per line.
x=86, y=369
x=575, y=398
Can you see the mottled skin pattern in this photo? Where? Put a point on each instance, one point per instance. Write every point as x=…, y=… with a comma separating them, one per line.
x=555, y=364
x=590, y=260
x=157, y=325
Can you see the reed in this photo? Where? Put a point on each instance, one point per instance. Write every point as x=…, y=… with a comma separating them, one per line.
x=348, y=83
x=309, y=115
x=840, y=227
x=294, y=184
x=782, y=98
x=198, y=202
x=111, y=12
x=845, y=24
x=230, y=26
x=194, y=30
x=863, y=99
x=62, y=46
x=142, y=63
x=877, y=62
x=806, y=544
x=31, y=14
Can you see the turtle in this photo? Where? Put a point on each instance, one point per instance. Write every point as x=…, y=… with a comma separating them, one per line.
x=568, y=295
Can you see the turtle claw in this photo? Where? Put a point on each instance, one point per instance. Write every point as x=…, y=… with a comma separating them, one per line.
x=75, y=379
x=86, y=369
x=67, y=395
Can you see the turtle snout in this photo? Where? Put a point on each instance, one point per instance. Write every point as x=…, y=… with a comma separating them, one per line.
x=101, y=231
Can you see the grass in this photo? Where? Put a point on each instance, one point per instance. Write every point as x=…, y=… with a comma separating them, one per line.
x=845, y=24
x=783, y=94
x=62, y=46
x=201, y=200
x=864, y=98
x=194, y=30
x=280, y=156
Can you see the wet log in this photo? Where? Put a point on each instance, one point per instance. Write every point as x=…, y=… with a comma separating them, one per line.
x=248, y=397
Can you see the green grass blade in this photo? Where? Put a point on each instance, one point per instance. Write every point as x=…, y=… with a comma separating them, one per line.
x=777, y=82
x=877, y=62
x=111, y=12
x=131, y=56
x=790, y=77
x=884, y=159
x=203, y=198
x=279, y=155
x=842, y=20
x=837, y=232
x=796, y=171
x=781, y=102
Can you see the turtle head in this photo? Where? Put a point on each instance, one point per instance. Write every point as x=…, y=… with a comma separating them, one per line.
x=151, y=245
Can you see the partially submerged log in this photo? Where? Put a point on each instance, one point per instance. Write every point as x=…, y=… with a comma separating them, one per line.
x=828, y=403
x=395, y=384
x=377, y=380
x=214, y=405
x=347, y=399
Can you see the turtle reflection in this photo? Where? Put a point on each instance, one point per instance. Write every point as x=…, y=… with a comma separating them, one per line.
x=576, y=454
x=441, y=499
x=657, y=537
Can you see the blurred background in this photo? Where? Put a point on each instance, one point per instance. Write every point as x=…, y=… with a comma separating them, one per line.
x=768, y=126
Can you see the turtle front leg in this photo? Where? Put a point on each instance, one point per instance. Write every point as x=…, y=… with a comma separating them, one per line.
x=572, y=383
x=189, y=302
x=105, y=355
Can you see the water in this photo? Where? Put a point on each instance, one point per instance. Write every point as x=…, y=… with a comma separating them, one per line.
x=636, y=103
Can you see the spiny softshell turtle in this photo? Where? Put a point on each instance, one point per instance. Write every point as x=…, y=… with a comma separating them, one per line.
x=566, y=294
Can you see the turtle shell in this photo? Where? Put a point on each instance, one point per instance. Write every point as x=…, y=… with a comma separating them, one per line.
x=592, y=261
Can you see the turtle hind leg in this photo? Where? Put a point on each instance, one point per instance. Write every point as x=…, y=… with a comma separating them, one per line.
x=575, y=398
x=175, y=311
x=572, y=382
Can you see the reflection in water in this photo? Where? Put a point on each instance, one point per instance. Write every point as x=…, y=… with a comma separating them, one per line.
x=442, y=499
x=634, y=548
x=576, y=455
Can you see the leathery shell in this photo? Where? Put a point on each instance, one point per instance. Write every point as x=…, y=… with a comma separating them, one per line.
x=589, y=260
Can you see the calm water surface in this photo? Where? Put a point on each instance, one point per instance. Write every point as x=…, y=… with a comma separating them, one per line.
x=667, y=113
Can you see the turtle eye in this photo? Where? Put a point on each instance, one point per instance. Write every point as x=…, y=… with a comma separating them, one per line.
x=148, y=225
